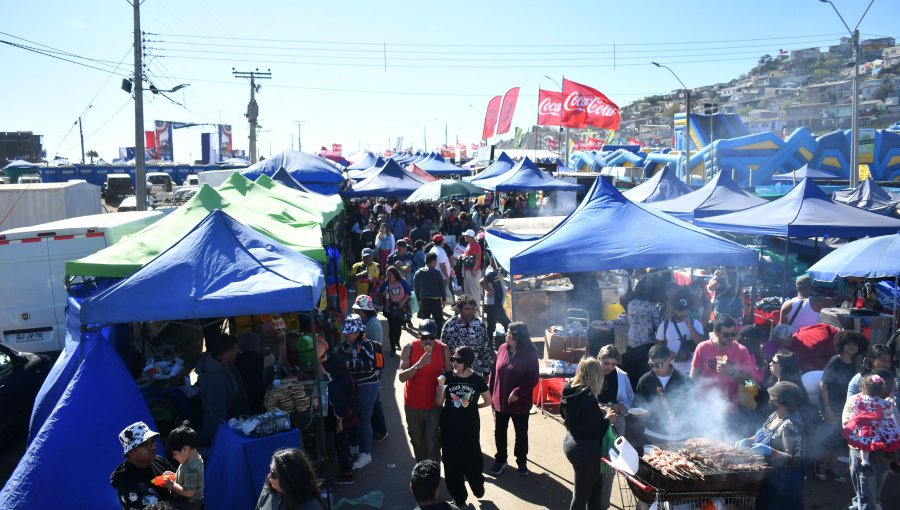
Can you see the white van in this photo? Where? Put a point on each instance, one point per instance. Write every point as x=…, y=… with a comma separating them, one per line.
x=33, y=265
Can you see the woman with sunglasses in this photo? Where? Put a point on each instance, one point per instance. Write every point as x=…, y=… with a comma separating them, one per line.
x=586, y=424
x=291, y=483
x=462, y=392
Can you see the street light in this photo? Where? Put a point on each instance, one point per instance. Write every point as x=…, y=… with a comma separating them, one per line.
x=854, y=114
x=176, y=88
x=687, y=124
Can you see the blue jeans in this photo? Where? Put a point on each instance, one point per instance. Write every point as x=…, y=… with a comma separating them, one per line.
x=366, y=393
x=867, y=487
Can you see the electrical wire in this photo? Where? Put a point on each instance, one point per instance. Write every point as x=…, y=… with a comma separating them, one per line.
x=46, y=54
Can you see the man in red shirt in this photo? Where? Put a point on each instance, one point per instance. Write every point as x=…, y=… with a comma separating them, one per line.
x=422, y=361
x=472, y=267
x=720, y=364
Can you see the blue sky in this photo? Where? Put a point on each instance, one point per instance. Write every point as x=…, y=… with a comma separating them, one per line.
x=444, y=61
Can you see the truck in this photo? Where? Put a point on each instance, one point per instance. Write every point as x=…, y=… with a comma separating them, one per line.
x=116, y=187
x=158, y=183
x=23, y=205
x=33, y=264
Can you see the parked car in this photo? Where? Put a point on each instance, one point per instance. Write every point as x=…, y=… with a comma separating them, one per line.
x=129, y=204
x=21, y=376
x=117, y=187
x=158, y=182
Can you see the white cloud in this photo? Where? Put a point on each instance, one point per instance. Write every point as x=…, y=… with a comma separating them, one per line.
x=74, y=23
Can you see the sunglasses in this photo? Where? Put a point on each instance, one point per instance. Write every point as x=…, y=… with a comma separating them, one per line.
x=733, y=334
x=657, y=364
x=456, y=360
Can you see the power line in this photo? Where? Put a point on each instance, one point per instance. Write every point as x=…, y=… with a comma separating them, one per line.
x=51, y=49
x=46, y=54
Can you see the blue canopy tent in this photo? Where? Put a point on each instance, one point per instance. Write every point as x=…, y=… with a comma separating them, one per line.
x=361, y=175
x=869, y=196
x=438, y=166
x=803, y=173
x=719, y=196
x=607, y=231
x=425, y=156
x=315, y=173
x=526, y=176
x=220, y=268
x=283, y=177
x=663, y=185
x=363, y=163
x=501, y=165
x=805, y=211
x=390, y=181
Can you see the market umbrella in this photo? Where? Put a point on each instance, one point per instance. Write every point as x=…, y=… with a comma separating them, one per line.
x=872, y=257
x=436, y=191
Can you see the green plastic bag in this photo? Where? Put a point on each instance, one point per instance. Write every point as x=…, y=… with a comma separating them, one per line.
x=606, y=444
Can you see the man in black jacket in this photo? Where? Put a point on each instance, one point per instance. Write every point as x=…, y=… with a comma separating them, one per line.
x=431, y=291
x=664, y=392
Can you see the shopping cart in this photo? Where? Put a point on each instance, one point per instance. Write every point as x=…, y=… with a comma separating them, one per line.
x=638, y=494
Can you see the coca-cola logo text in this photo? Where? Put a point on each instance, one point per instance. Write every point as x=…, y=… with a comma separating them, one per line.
x=593, y=105
x=548, y=106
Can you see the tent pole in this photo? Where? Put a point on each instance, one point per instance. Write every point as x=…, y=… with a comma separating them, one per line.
x=784, y=281
x=319, y=414
x=512, y=295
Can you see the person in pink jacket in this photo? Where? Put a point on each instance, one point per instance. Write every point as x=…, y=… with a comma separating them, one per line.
x=512, y=381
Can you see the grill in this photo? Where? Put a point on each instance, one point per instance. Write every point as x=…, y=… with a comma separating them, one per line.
x=721, y=481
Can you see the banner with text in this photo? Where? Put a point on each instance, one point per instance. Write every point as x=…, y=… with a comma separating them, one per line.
x=507, y=110
x=337, y=148
x=225, y=149
x=549, y=108
x=585, y=106
x=163, y=139
x=490, y=117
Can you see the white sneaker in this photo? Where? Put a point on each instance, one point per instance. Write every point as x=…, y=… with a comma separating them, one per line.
x=364, y=460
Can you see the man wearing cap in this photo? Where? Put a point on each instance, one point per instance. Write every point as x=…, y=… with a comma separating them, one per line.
x=422, y=361
x=402, y=259
x=472, y=267
x=803, y=310
x=431, y=291
x=132, y=478
x=366, y=273
x=443, y=263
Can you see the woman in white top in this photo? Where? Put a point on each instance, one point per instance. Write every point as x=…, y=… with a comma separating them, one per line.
x=681, y=334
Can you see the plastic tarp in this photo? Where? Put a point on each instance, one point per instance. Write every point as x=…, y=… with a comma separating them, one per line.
x=502, y=165
x=663, y=185
x=130, y=254
x=367, y=160
x=238, y=189
x=438, y=166
x=873, y=257
x=391, y=181
x=607, y=231
x=720, y=195
x=805, y=211
x=219, y=269
x=361, y=175
x=802, y=173
x=313, y=172
x=76, y=445
x=283, y=177
x=526, y=176
x=869, y=196
x=329, y=205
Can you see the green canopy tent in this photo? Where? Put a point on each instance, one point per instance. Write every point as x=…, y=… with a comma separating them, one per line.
x=241, y=191
x=127, y=256
x=329, y=205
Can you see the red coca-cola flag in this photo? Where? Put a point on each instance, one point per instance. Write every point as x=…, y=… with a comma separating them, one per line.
x=507, y=110
x=594, y=144
x=578, y=146
x=552, y=144
x=490, y=117
x=584, y=106
x=549, y=108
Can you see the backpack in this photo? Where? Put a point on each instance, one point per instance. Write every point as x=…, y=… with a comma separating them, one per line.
x=378, y=349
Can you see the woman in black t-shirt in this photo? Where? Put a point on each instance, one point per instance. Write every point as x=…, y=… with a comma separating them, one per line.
x=458, y=392
x=836, y=377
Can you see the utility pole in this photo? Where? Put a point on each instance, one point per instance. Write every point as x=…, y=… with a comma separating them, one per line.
x=253, y=108
x=81, y=135
x=854, y=119
x=299, y=143
x=140, y=173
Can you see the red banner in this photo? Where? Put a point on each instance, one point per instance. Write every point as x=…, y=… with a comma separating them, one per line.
x=474, y=146
x=552, y=144
x=507, y=110
x=578, y=146
x=490, y=118
x=337, y=148
x=635, y=141
x=584, y=106
x=150, y=141
x=549, y=108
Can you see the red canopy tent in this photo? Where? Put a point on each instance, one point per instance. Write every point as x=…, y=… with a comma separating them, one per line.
x=412, y=167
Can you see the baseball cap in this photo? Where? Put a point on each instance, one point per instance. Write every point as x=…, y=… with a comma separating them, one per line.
x=438, y=238
x=134, y=435
x=681, y=304
x=367, y=252
x=364, y=303
x=427, y=327
x=469, y=233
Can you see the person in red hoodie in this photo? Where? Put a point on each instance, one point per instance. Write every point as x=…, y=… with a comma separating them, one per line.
x=513, y=378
